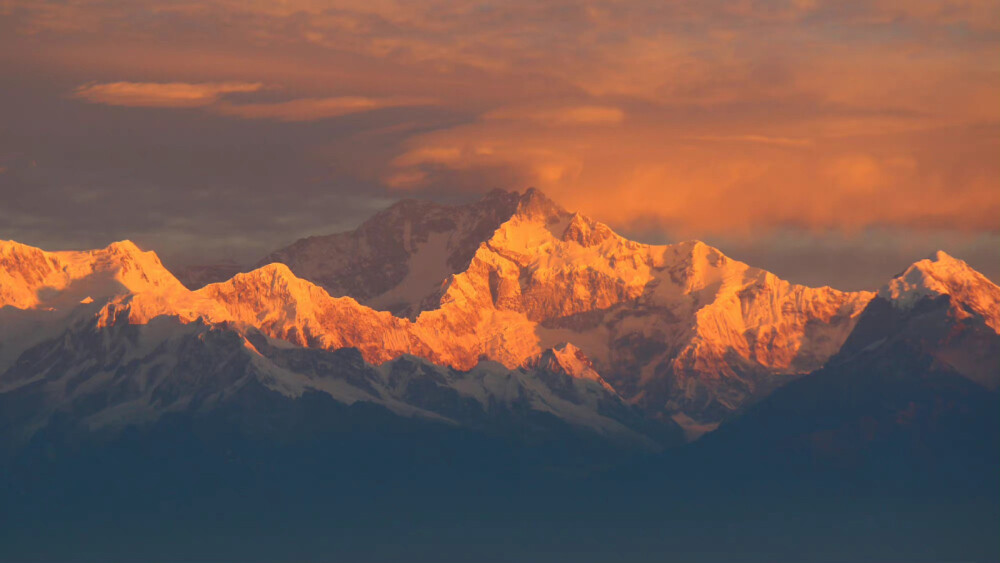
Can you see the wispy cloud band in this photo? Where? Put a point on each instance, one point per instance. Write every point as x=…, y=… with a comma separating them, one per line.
x=210, y=96
x=161, y=94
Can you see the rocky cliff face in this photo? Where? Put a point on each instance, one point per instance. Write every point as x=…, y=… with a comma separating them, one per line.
x=397, y=260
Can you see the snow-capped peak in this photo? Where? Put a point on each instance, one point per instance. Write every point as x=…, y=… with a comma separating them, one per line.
x=587, y=232
x=23, y=271
x=8, y=247
x=31, y=277
x=536, y=205
x=942, y=274
x=272, y=288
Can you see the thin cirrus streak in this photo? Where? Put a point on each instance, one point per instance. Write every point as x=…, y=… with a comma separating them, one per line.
x=569, y=115
x=161, y=95
x=762, y=139
x=210, y=96
x=307, y=109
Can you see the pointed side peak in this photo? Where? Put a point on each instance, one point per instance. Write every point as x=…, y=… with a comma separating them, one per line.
x=941, y=262
x=535, y=195
x=700, y=247
x=23, y=271
x=119, y=269
x=275, y=269
x=130, y=252
x=11, y=245
x=125, y=247
x=570, y=357
x=942, y=274
x=586, y=231
x=581, y=220
x=942, y=256
x=561, y=351
x=690, y=246
x=535, y=204
x=272, y=286
x=941, y=266
x=268, y=274
x=700, y=251
x=570, y=360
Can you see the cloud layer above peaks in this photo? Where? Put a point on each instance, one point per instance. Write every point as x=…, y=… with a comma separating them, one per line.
x=271, y=120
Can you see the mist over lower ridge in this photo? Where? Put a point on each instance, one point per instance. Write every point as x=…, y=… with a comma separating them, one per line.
x=503, y=379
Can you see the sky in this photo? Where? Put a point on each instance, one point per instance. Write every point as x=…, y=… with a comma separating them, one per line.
x=830, y=142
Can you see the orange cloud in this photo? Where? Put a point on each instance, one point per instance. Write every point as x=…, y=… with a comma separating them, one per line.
x=307, y=109
x=700, y=116
x=571, y=115
x=750, y=185
x=157, y=94
x=209, y=95
x=762, y=139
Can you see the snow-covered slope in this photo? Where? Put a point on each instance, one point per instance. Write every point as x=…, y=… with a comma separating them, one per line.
x=31, y=278
x=679, y=329
x=139, y=345
x=103, y=378
x=42, y=293
x=273, y=300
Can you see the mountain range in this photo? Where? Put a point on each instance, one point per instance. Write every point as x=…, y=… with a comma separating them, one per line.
x=485, y=297
x=681, y=330
x=505, y=323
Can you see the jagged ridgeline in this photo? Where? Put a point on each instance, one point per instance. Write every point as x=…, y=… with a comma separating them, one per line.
x=682, y=331
x=505, y=358
x=678, y=334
